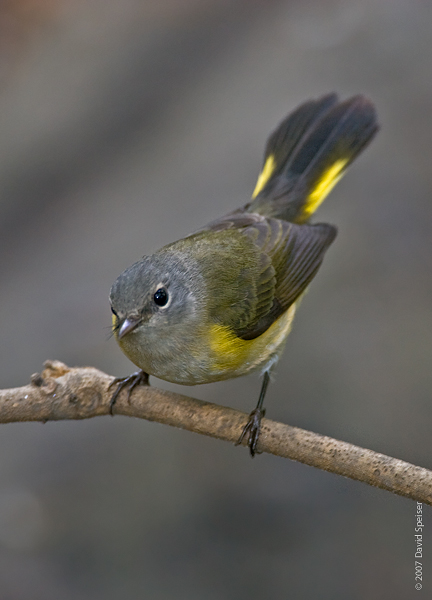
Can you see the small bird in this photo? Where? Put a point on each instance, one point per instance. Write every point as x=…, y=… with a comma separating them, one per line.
x=220, y=302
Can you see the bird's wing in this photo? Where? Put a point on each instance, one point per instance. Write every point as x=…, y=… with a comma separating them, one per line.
x=289, y=257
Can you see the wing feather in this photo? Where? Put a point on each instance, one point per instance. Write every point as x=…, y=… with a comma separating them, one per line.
x=290, y=255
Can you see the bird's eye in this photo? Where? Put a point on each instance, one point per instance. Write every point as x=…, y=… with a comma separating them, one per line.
x=161, y=297
x=113, y=312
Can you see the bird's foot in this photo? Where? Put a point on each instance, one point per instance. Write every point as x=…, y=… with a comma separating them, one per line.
x=130, y=383
x=252, y=430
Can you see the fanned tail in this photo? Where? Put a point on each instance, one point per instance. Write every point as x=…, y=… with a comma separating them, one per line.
x=308, y=153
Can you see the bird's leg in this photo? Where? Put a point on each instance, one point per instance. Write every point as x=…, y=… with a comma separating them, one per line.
x=130, y=382
x=253, y=426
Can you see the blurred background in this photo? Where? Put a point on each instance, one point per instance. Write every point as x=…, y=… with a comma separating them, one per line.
x=126, y=125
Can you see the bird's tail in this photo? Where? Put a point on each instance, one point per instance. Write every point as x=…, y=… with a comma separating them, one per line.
x=308, y=153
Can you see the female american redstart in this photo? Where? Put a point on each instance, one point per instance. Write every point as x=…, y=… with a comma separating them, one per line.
x=220, y=302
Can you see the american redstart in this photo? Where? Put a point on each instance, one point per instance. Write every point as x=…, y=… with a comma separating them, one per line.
x=220, y=302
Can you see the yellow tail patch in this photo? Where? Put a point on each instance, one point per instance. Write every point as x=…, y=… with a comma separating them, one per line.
x=324, y=186
x=264, y=176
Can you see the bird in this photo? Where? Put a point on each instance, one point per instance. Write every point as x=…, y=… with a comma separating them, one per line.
x=220, y=302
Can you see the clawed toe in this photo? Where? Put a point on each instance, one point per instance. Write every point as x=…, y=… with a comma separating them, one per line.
x=130, y=383
x=252, y=430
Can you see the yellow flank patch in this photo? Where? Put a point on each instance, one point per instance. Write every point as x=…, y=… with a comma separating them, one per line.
x=231, y=354
x=264, y=176
x=324, y=186
x=230, y=350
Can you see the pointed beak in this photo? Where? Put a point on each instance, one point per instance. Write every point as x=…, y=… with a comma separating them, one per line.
x=128, y=325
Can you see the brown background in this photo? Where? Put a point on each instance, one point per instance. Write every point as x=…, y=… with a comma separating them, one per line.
x=128, y=124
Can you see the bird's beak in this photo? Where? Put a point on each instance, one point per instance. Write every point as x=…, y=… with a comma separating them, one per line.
x=127, y=326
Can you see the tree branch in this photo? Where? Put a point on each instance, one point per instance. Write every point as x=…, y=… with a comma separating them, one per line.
x=61, y=393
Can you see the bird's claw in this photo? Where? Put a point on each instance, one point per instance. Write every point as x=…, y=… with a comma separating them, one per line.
x=252, y=429
x=130, y=383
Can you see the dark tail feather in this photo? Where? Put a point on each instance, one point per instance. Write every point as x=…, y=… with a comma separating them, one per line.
x=308, y=153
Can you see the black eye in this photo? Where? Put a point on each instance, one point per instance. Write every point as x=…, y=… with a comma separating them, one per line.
x=113, y=312
x=161, y=297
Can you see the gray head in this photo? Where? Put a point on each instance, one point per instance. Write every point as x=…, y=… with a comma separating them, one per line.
x=155, y=292
x=158, y=305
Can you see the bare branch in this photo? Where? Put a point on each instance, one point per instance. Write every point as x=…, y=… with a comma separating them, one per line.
x=61, y=393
